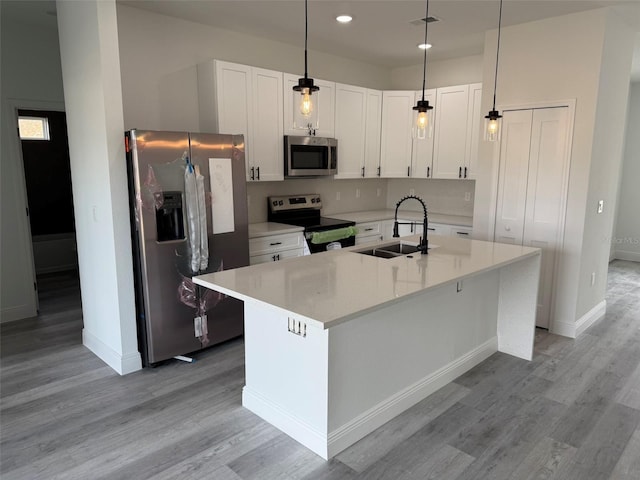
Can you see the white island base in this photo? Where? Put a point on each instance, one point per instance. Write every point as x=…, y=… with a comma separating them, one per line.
x=327, y=385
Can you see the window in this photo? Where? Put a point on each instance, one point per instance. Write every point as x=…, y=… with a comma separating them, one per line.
x=33, y=128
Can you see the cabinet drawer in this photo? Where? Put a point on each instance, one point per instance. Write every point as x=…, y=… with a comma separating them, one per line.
x=368, y=229
x=274, y=257
x=275, y=243
x=462, y=232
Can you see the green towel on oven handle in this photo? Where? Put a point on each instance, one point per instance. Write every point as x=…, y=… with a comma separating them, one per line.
x=333, y=235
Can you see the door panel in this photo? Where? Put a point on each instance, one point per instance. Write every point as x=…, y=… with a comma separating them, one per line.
x=546, y=191
x=512, y=184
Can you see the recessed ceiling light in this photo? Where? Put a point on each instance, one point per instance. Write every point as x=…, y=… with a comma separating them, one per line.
x=344, y=18
x=424, y=46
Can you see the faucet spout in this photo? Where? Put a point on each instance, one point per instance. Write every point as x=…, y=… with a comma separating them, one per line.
x=423, y=246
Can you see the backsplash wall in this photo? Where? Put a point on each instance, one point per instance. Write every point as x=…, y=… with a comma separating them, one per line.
x=372, y=194
x=441, y=196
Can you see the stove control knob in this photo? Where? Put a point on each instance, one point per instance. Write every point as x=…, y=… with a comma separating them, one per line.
x=274, y=203
x=313, y=200
x=280, y=202
x=318, y=200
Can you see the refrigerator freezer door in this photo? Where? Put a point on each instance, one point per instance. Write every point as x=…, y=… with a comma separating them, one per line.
x=166, y=304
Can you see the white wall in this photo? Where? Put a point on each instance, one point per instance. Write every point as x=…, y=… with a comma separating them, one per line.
x=159, y=55
x=626, y=240
x=606, y=161
x=93, y=98
x=442, y=73
x=31, y=78
x=558, y=59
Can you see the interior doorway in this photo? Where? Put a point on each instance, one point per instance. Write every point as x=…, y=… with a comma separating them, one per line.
x=47, y=172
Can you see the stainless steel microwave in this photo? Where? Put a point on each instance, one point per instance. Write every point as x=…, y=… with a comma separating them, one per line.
x=310, y=156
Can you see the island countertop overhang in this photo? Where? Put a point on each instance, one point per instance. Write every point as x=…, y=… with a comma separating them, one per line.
x=329, y=288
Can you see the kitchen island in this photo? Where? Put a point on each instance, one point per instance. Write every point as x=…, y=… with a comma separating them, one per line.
x=338, y=343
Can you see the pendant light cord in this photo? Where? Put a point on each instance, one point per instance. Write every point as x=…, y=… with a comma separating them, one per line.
x=424, y=66
x=305, y=37
x=495, y=78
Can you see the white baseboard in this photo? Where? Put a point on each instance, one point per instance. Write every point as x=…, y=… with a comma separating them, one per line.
x=346, y=435
x=296, y=428
x=19, y=312
x=572, y=330
x=592, y=316
x=626, y=255
x=122, y=364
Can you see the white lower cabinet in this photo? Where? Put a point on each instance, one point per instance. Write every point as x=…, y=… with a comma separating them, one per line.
x=369, y=232
x=275, y=247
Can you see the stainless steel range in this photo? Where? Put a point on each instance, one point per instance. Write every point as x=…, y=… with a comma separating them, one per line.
x=304, y=211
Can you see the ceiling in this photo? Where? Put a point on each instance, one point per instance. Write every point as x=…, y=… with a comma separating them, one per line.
x=382, y=32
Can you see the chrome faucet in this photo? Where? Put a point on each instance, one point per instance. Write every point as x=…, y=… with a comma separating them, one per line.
x=423, y=246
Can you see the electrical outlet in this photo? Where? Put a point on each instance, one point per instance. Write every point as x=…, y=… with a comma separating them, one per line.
x=600, y=206
x=593, y=278
x=378, y=192
x=467, y=196
x=357, y=193
x=337, y=195
x=412, y=191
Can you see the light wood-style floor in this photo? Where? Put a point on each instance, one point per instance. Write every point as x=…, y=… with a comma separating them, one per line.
x=571, y=413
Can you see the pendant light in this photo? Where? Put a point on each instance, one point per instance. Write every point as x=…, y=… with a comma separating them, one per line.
x=422, y=120
x=305, y=113
x=492, y=120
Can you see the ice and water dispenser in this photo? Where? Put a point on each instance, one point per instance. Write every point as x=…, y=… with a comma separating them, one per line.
x=169, y=217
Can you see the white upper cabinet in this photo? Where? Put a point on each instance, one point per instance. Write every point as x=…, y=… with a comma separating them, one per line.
x=422, y=152
x=373, y=123
x=351, y=112
x=325, y=98
x=396, y=141
x=457, y=131
x=474, y=133
x=240, y=99
x=450, y=143
x=358, y=115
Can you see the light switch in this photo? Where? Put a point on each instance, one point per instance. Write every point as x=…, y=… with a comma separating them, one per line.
x=600, y=206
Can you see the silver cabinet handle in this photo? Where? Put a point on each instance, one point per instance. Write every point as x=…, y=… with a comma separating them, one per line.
x=368, y=229
x=258, y=172
x=378, y=171
x=252, y=174
x=460, y=172
x=363, y=171
x=465, y=172
x=428, y=172
x=462, y=233
x=275, y=243
x=408, y=171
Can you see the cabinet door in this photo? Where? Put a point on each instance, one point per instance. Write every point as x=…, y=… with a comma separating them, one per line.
x=546, y=194
x=325, y=103
x=450, y=143
x=474, y=125
x=351, y=104
x=372, y=133
x=422, y=153
x=266, y=139
x=512, y=183
x=233, y=101
x=397, y=118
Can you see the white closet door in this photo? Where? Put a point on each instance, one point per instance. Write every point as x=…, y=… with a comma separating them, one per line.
x=546, y=193
x=512, y=184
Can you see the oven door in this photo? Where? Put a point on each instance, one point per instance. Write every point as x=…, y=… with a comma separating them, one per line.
x=322, y=247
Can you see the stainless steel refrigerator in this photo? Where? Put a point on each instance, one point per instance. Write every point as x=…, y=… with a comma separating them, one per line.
x=188, y=208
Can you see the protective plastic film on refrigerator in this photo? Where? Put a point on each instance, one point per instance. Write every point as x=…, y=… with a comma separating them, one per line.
x=189, y=216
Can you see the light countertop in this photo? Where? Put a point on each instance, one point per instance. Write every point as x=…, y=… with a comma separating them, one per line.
x=328, y=288
x=264, y=229
x=388, y=214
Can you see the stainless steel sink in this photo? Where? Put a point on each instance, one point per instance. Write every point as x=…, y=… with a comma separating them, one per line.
x=389, y=251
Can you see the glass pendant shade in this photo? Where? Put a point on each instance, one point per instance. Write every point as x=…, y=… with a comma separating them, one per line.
x=305, y=105
x=492, y=124
x=423, y=119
